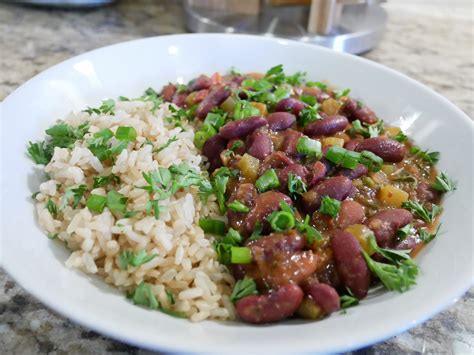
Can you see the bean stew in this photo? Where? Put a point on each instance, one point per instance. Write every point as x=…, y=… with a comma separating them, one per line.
x=320, y=200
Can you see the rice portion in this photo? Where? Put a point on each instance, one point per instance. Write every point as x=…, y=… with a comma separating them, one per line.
x=185, y=275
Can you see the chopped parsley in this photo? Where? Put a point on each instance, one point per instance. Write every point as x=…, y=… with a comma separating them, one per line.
x=52, y=207
x=296, y=186
x=307, y=115
x=349, y=300
x=426, y=236
x=426, y=155
x=107, y=108
x=165, y=145
x=101, y=181
x=129, y=258
x=330, y=206
x=367, y=130
x=427, y=215
x=342, y=93
x=243, y=288
x=76, y=193
x=444, y=183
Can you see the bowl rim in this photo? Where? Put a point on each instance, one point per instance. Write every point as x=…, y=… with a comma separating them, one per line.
x=116, y=334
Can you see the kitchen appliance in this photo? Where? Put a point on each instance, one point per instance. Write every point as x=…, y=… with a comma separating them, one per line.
x=353, y=26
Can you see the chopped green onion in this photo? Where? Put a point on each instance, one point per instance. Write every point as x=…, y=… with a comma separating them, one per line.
x=336, y=154
x=444, y=183
x=240, y=255
x=126, y=134
x=281, y=221
x=203, y=134
x=309, y=147
x=216, y=120
x=243, y=288
x=372, y=161
x=238, y=206
x=96, y=203
x=350, y=160
x=330, y=206
x=212, y=226
x=232, y=237
x=268, y=181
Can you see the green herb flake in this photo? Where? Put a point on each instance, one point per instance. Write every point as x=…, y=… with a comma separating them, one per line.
x=52, y=207
x=116, y=202
x=296, y=185
x=40, y=152
x=430, y=157
x=330, y=206
x=307, y=115
x=165, y=145
x=243, y=288
x=426, y=236
x=421, y=212
x=348, y=300
x=96, y=203
x=444, y=183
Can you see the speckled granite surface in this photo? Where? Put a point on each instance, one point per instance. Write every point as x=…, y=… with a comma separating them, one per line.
x=432, y=43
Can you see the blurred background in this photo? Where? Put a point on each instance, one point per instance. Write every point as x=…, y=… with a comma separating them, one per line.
x=429, y=40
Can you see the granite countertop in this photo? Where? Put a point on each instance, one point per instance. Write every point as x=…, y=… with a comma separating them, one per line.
x=430, y=41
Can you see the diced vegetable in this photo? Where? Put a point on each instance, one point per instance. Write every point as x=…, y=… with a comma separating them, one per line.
x=310, y=310
x=330, y=107
x=248, y=165
x=391, y=196
x=96, y=203
x=261, y=107
x=268, y=181
x=362, y=234
x=330, y=141
x=309, y=147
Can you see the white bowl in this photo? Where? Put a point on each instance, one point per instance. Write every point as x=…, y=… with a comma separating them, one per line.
x=37, y=263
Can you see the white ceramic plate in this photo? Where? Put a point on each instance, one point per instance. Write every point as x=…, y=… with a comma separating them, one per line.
x=37, y=263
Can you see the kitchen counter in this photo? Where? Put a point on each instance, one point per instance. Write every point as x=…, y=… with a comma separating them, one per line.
x=427, y=40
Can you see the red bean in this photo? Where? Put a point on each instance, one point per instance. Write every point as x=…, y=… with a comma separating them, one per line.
x=356, y=111
x=179, y=99
x=272, y=307
x=290, y=105
x=356, y=173
x=265, y=204
x=337, y=187
x=327, y=126
x=329, y=275
x=351, y=212
x=276, y=160
x=168, y=91
x=290, y=142
x=277, y=260
x=350, y=263
x=324, y=296
x=387, y=149
x=241, y=128
x=259, y=144
x=212, y=149
x=241, y=149
x=245, y=193
x=352, y=144
x=295, y=169
x=215, y=98
x=200, y=83
x=318, y=172
x=316, y=92
x=385, y=223
x=425, y=193
x=279, y=121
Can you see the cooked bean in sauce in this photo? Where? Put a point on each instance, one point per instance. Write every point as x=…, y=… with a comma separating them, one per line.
x=322, y=199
